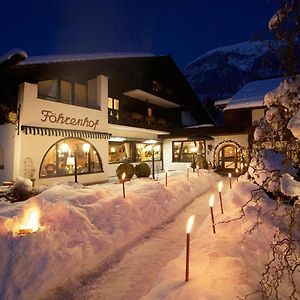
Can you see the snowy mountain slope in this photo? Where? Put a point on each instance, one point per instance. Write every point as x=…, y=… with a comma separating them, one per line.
x=221, y=72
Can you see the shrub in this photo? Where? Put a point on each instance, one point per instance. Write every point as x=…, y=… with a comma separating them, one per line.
x=142, y=170
x=22, y=189
x=126, y=167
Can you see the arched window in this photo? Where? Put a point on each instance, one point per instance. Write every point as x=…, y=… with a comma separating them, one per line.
x=60, y=159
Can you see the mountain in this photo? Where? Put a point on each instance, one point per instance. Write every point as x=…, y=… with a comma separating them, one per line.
x=221, y=72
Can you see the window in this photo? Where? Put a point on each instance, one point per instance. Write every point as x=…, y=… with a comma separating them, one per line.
x=66, y=92
x=60, y=159
x=119, y=152
x=113, y=109
x=69, y=92
x=187, y=151
x=48, y=89
x=80, y=94
x=133, y=152
x=144, y=152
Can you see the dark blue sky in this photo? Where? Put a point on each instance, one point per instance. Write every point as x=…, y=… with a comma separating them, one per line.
x=185, y=29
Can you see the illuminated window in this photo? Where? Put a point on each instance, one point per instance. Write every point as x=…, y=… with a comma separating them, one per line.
x=133, y=152
x=60, y=159
x=187, y=151
x=144, y=152
x=113, y=109
x=119, y=152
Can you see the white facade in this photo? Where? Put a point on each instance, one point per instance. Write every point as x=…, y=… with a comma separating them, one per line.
x=30, y=149
x=134, y=133
x=212, y=149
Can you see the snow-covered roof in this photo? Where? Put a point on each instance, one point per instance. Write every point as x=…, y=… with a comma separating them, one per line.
x=222, y=102
x=13, y=52
x=252, y=94
x=81, y=57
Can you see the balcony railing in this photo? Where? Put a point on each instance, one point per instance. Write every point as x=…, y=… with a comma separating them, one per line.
x=135, y=119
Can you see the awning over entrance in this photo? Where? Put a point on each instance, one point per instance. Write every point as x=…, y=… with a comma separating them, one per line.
x=64, y=132
x=201, y=137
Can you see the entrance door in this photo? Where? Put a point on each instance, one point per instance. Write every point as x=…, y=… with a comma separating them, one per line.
x=228, y=158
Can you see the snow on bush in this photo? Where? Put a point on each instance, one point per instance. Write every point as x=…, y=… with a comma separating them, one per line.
x=22, y=185
x=83, y=228
x=266, y=168
x=289, y=186
x=294, y=125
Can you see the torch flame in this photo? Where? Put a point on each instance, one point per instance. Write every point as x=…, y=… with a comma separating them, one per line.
x=220, y=186
x=229, y=175
x=211, y=200
x=30, y=221
x=189, y=224
x=123, y=176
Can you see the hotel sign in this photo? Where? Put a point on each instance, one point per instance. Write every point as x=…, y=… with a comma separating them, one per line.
x=49, y=116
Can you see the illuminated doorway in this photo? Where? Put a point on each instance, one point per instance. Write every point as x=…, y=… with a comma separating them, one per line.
x=228, y=158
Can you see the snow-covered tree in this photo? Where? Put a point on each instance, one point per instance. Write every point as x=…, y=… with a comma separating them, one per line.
x=276, y=158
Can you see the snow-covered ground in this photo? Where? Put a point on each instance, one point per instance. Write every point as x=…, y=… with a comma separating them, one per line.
x=228, y=264
x=83, y=228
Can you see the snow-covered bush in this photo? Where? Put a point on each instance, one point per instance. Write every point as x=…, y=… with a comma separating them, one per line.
x=267, y=167
x=22, y=189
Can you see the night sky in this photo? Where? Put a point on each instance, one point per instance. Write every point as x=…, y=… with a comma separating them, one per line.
x=185, y=29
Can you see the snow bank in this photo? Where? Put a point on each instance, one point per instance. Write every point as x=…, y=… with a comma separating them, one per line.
x=228, y=264
x=83, y=228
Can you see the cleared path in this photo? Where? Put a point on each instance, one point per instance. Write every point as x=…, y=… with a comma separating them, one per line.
x=134, y=274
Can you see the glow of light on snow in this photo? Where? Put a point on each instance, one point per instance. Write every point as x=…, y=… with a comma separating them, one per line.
x=30, y=222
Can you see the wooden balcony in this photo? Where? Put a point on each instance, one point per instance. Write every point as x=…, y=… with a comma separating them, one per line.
x=135, y=119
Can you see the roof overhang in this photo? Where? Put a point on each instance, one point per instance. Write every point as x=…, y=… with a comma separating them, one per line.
x=145, y=96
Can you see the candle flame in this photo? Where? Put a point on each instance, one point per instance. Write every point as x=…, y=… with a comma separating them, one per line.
x=189, y=224
x=211, y=200
x=187, y=166
x=220, y=186
x=29, y=223
x=166, y=169
x=236, y=170
x=123, y=176
x=229, y=175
